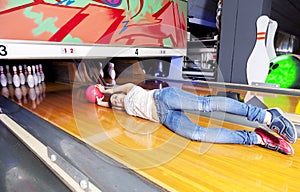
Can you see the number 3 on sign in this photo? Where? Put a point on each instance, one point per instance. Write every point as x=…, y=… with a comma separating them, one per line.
x=3, y=50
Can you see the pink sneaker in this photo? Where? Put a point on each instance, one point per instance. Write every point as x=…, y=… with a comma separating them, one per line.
x=274, y=143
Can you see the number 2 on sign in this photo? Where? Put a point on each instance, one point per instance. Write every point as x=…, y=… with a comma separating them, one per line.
x=3, y=50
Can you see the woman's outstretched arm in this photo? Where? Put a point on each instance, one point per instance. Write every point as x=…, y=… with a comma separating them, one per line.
x=102, y=103
x=124, y=88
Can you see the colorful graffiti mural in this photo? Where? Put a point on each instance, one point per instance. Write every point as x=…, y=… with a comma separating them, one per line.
x=129, y=22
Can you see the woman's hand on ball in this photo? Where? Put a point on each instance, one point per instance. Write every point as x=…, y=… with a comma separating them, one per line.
x=100, y=87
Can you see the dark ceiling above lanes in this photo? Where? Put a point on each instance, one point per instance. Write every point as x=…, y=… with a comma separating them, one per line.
x=203, y=9
x=285, y=12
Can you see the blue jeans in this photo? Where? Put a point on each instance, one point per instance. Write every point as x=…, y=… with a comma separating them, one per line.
x=171, y=103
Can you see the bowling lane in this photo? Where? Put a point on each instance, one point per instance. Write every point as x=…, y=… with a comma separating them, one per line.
x=170, y=161
x=46, y=100
x=99, y=168
x=21, y=169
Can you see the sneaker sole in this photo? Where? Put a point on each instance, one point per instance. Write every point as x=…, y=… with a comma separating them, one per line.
x=293, y=152
x=283, y=152
x=294, y=128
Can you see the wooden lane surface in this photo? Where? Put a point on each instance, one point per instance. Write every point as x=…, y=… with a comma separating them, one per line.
x=175, y=163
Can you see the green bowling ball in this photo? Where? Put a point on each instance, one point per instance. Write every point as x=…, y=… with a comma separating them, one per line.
x=284, y=70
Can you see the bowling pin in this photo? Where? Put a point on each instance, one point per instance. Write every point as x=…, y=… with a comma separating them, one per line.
x=159, y=72
x=259, y=62
x=8, y=75
x=22, y=76
x=30, y=79
x=34, y=75
x=3, y=77
x=38, y=74
x=16, y=78
x=101, y=69
x=270, y=38
x=112, y=73
x=41, y=72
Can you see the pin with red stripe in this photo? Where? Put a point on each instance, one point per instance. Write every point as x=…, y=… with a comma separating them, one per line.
x=258, y=62
x=261, y=36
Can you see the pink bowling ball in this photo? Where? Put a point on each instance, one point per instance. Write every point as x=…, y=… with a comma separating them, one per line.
x=91, y=92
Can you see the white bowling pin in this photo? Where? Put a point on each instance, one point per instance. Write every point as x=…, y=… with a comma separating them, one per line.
x=8, y=75
x=112, y=72
x=22, y=76
x=159, y=72
x=101, y=69
x=259, y=62
x=41, y=72
x=16, y=78
x=270, y=39
x=30, y=79
x=3, y=77
x=38, y=74
x=34, y=75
